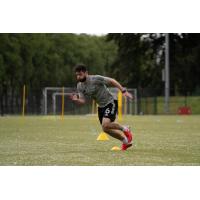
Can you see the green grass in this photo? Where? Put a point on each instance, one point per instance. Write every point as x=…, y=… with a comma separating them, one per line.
x=159, y=140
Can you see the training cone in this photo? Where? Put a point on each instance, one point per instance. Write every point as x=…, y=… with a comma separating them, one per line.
x=115, y=148
x=103, y=136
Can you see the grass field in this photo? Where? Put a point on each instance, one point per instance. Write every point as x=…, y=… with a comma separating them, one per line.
x=159, y=140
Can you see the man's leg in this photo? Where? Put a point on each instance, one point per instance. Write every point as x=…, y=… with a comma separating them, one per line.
x=114, y=132
x=116, y=126
x=106, y=117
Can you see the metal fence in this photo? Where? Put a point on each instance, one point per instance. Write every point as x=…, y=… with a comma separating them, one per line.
x=148, y=101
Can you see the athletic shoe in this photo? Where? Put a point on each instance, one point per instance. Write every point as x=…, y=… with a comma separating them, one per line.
x=128, y=134
x=125, y=146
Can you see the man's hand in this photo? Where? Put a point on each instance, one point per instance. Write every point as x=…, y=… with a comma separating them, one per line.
x=127, y=94
x=73, y=97
x=76, y=99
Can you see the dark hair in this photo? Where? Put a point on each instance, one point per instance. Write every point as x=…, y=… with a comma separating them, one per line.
x=80, y=68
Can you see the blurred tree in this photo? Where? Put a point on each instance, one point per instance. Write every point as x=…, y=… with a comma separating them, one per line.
x=141, y=59
x=41, y=60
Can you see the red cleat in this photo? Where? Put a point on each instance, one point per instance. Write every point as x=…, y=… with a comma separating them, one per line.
x=129, y=135
x=125, y=146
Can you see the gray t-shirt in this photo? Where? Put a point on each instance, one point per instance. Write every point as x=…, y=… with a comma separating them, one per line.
x=95, y=87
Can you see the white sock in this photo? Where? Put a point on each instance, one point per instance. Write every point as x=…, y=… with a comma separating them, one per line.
x=125, y=128
x=125, y=140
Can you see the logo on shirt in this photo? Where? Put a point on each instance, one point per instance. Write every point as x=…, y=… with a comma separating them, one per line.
x=107, y=111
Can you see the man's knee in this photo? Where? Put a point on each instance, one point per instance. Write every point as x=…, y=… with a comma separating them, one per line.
x=105, y=127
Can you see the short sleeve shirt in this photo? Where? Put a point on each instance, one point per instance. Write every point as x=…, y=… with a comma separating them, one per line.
x=96, y=87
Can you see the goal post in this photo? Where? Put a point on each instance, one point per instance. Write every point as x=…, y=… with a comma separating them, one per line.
x=52, y=102
x=48, y=92
x=54, y=97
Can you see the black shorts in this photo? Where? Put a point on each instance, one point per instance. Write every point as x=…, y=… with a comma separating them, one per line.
x=109, y=111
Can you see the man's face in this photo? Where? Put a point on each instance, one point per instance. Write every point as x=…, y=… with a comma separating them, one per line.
x=81, y=76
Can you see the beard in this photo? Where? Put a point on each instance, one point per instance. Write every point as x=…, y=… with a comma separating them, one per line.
x=83, y=79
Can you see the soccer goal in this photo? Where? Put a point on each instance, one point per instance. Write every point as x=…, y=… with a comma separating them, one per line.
x=53, y=101
x=55, y=97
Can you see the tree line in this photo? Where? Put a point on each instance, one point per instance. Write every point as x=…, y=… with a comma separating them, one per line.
x=136, y=60
x=141, y=57
x=41, y=60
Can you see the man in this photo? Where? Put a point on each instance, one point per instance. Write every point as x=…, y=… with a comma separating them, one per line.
x=96, y=87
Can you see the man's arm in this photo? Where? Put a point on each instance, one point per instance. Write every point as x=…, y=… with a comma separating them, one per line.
x=116, y=84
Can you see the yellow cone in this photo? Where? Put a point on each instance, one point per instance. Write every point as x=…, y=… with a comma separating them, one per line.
x=103, y=136
x=115, y=148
